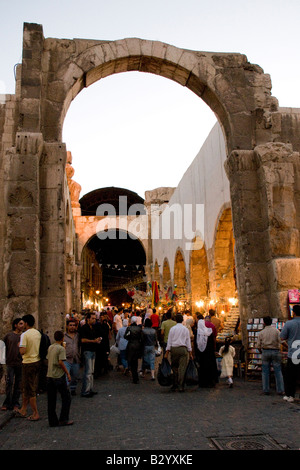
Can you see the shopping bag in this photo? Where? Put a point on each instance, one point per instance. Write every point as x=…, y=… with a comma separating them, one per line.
x=158, y=350
x=2, y=352
x=165, y=374
x=219, y=364
x=114, y=351
x=191, y=374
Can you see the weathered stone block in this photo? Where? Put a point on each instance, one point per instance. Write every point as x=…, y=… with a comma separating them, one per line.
x=22, y=196
x=29, y=143
x=52, y=315
x=52, y=237
x=21, y=167
x=54, y=153
x=51, y=176
x=52, y=204
x=23, y=277
x=285, y=274
x=52, y=275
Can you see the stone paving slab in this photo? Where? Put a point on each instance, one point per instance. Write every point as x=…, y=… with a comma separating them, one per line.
x=125, y=416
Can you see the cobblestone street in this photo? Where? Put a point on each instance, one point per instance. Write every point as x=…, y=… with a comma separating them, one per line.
x=124, y=416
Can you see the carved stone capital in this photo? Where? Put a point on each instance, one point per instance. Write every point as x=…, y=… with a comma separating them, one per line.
x=29, y=143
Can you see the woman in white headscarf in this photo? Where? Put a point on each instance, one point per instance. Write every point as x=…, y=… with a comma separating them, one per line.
x=122, y=345
x=205, y=354
x=202, y=334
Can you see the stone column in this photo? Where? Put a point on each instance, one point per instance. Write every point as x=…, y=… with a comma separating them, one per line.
x=53, y=237
x=262, y=187
x=276, y=173
x=249, y=233
x=22, y=242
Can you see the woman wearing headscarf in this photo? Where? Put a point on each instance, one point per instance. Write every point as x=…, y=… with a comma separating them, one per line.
x=121, y=342
x=150, y=341
x=205, y=353
x=134, y=350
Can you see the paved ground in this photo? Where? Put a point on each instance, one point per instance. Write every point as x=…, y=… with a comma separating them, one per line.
x=124, y=416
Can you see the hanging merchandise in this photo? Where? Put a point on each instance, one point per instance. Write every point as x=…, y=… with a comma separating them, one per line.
x=174, y=296
x=293, y=299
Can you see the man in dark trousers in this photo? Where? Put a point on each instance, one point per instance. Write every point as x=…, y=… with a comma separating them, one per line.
x=13, y=366
x=179, y=345
x=89, y=341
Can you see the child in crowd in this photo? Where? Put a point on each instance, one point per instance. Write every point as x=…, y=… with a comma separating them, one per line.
x=227, y=352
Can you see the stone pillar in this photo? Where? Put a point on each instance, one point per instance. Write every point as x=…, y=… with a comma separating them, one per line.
x=22, y=242
x=31, y=78
x=276, y=173
x=8, y=113
x=249, y=235
x=53, y=237
x=264, y=223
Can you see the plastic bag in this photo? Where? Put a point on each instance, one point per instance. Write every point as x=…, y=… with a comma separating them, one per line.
x=2, y=352
x=165, y=374
x=114, y=351
x=158, y=350
x=191, y=374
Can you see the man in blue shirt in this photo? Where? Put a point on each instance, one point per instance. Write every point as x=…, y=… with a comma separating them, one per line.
x=291, y=333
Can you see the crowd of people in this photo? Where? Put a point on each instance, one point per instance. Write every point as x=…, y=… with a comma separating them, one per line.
x=136, y=337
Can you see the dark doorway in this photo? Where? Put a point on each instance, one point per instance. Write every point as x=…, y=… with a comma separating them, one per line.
x=122, y=259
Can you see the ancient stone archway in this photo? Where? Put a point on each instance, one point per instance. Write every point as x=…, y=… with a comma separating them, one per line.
x=117, y=260
x=76, y=64
x=223, y=284
x=262, y=165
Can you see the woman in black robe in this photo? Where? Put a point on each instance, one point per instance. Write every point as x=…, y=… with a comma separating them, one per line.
x=134, y=336
x=205, y=354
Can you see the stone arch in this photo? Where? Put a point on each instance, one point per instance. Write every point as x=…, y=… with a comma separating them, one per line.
x=92, y=232
x=88, y=226
x=180, y=280
x=199, y=273
x=260, y=156
x=232, y=87
x=118, y=267
x=223, y=274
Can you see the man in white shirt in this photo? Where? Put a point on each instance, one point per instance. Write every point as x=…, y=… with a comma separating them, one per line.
x=136, y=319
x=118, y=323
x=179, y=345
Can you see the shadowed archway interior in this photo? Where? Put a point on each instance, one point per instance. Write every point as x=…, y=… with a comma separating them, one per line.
x=122, y=259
